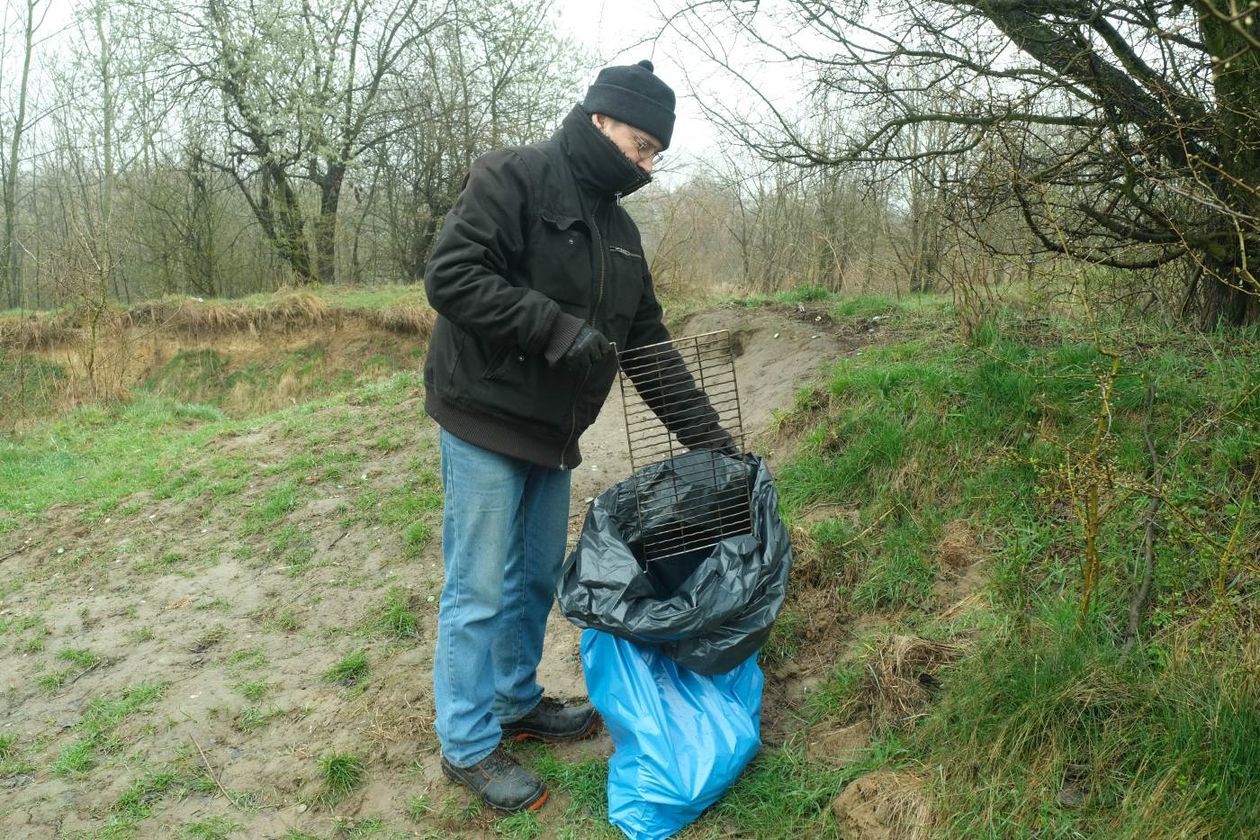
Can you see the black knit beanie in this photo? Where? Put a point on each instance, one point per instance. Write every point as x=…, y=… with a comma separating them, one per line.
x=634, y=95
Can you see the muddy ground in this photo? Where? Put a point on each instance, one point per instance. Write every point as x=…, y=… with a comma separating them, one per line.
x=175, y=594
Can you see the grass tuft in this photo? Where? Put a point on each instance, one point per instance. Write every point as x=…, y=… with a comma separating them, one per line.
x=253, y=690
x=102, y=717
x=341, y=773
x=520, y=826
x=395, y=617
x=350, y=671
x=418, y=809
x=211, y=828
x=81, y=657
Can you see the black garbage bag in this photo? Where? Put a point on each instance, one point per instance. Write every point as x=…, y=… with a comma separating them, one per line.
x=708, y=610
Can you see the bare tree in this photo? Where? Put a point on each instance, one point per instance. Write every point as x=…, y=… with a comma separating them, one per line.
x=223, y=148
x=301, y=84
x=492, y=74
x=1130, y=131
x=32, y=17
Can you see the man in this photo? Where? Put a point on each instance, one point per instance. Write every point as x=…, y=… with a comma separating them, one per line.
x=538, y=277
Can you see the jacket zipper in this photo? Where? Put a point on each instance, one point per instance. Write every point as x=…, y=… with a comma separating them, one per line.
x=573, y=419
x=590, y=319
x=599, y=244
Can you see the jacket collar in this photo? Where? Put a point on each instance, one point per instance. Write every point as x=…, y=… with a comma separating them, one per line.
x=598, y=164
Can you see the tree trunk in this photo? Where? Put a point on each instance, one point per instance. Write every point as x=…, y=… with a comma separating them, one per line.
x=8, y=248
x=1232, y=284
x=326, y=224
x=283, y=222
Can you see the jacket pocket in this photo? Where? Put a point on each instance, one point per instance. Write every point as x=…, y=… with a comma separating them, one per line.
x=625, y=285
x=559, y=261
x=498, y=361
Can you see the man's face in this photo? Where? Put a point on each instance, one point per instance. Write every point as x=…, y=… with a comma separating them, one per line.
x=641, y=148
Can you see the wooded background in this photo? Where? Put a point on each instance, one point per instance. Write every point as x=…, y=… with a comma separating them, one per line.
x=226, y=147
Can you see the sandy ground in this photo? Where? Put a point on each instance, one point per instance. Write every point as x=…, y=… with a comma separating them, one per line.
x=171, y=595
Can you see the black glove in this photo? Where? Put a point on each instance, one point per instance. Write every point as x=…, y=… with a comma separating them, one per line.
x=588, y=348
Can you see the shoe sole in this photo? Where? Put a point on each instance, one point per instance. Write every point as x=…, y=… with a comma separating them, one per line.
x=552, y=738
x=539, y=800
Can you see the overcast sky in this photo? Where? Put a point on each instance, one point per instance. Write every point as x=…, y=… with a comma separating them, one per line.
x=613, y=32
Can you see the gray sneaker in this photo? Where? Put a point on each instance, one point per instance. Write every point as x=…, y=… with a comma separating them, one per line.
x=500, y=782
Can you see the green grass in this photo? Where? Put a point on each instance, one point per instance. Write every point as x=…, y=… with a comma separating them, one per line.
x=76, y=758
x=521, y=826
x=53, y=681
x=350, y=671
x=253, y=690
x=97, y=726
x=924, y=432
x=30, y=386
x=247, y=658
x=98, y=455
x=13, y=758
x=293, y=547
x=80, y=657
x=781, y=796
x=418, y=809
x=211, y=828
x=286, y=622
x=785, y=638
x=341, y=773
x=585, y=782
x=1168, y=749
x=416, y=536
x=138, y=799
x=394, y=616
x=275, y=505
x=836, y=698
x=906, y=439
x=253, y=386
x=255, y=717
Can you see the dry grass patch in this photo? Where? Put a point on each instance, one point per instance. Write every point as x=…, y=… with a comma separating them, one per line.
x=958, y=546
x=900, y=678
x=187, y=317
x=407, y=319
x=34, y=333
x=883, y=806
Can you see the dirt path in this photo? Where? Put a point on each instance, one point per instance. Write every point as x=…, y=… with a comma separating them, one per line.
x=229, y=634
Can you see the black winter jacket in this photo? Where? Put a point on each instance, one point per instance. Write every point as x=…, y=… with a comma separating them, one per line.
x=535, y=246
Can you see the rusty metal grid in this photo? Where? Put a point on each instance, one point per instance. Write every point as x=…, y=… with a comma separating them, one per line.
x=705, y=520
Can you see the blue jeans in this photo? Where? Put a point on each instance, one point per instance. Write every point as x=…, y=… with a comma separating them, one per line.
x=504, y=525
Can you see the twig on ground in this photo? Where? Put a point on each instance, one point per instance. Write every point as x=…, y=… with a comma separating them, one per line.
x=210, y=768
x=15, y=552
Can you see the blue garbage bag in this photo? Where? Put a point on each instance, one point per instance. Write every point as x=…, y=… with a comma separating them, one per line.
x=681, y=737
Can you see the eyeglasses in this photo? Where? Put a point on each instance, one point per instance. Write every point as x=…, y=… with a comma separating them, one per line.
x=645, y=149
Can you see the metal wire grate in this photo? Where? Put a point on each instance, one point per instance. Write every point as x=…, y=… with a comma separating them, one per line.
x=690, y=381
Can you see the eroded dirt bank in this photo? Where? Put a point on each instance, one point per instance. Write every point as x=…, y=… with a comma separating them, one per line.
x=179, y=641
